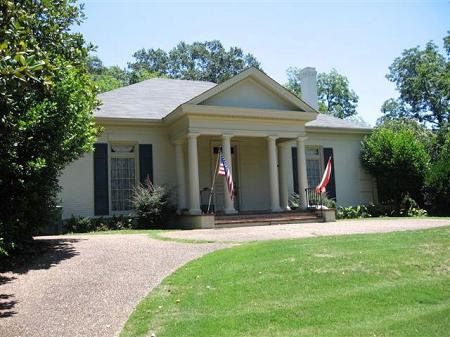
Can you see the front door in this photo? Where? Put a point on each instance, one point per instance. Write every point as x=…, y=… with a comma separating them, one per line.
x=219, y=188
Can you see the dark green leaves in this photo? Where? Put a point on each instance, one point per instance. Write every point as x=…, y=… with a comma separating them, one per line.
x=422, y=78
x=334, y=93
x=201, y=61
x=397, y=157
x=46, y=104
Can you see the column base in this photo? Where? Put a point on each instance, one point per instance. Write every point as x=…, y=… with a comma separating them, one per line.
x=287, y=209
x=230, y=211
x=194, y=211
x=276, y=210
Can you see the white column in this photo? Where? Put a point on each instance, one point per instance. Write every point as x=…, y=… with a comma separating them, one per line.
x=226, y=149
x=181, y=184
x=194, y=187
x=273, y=174
x=284, y=164
x=301, y=167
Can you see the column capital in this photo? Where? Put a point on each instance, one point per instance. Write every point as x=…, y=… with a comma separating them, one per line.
x=301, y=138
x=193, y=135
x=272, y=137
x=283, y=145
x=227, y=135
x=179, y=141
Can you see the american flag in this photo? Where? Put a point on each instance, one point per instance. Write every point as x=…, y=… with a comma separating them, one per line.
x=224, y=170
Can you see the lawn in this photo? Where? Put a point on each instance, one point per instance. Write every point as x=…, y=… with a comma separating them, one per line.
x=395, y=284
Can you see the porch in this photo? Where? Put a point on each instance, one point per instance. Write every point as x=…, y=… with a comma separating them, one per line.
x=260, y=168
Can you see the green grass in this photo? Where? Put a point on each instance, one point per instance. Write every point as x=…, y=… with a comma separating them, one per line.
x=425, y=217
x=395, y=284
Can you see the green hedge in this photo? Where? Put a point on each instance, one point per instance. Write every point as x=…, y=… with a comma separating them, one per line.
x=85, y=225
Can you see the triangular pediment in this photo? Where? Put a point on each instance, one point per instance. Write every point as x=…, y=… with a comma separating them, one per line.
x=248, y=93
x=252, y=89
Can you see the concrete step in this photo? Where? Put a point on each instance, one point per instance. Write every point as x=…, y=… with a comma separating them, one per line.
x=229, y=221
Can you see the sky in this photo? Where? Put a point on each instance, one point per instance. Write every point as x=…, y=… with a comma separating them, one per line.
x=360, y=39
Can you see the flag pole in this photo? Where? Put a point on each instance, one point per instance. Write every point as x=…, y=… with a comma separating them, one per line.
x=211, y=191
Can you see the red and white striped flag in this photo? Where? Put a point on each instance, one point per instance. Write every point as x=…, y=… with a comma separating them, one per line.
x=325, y=179
x=224, y=170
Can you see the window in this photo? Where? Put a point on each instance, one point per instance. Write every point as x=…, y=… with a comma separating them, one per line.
x=123, y=176
x=313, y=167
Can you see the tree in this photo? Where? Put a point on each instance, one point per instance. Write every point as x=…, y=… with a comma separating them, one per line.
x=334, y=93
x=106, y=78
x=335, y=96
x=437, y=182
x=395, y=155
x=293, y=84
x=422, y=77
x=46, y=104
x=142, y=75
x=201, y=61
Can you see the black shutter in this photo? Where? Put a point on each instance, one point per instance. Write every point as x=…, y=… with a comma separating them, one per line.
x=101, y=192
x=331, y=188
x=145, y=162
x=294, y=169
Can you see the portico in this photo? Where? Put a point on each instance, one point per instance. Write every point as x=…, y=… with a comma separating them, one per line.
x=260, y=123
x=259, y=164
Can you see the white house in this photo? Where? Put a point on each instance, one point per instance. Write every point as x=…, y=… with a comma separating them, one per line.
x=171, y=130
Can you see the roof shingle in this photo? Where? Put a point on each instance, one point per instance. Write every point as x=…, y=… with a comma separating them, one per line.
x=154, y=98
x=157, y=97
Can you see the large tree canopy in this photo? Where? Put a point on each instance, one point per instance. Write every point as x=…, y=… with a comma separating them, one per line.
x=334, y=93
x=396, y=154
x=201, y=61
x=422, y=77
x=46, y=104
x=109, y=78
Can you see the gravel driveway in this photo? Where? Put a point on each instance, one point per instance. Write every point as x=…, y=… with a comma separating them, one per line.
x=291, y=231
x=87, y=286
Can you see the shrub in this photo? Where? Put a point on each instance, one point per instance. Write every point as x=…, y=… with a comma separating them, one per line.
x=3, y=252
x=84, y=225
x=294, y=201
x=408, y=208
x=437, y=182
x=352, y=212
x=153, y=206
x=397, y=158
x=79, y=225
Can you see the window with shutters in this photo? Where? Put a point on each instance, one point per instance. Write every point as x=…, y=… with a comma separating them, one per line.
x=313, y=165
x=123, y=176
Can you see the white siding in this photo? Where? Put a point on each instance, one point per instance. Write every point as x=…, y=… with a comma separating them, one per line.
x=77, y=180
x=254, y=174
x=353, y=184
x=77, y=183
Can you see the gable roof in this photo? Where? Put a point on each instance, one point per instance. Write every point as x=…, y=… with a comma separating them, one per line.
x=156, y=98
x=150, y=99
x=261, y=78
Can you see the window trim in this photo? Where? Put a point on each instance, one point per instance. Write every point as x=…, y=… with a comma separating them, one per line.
x=319, y=156
x=111, y=155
